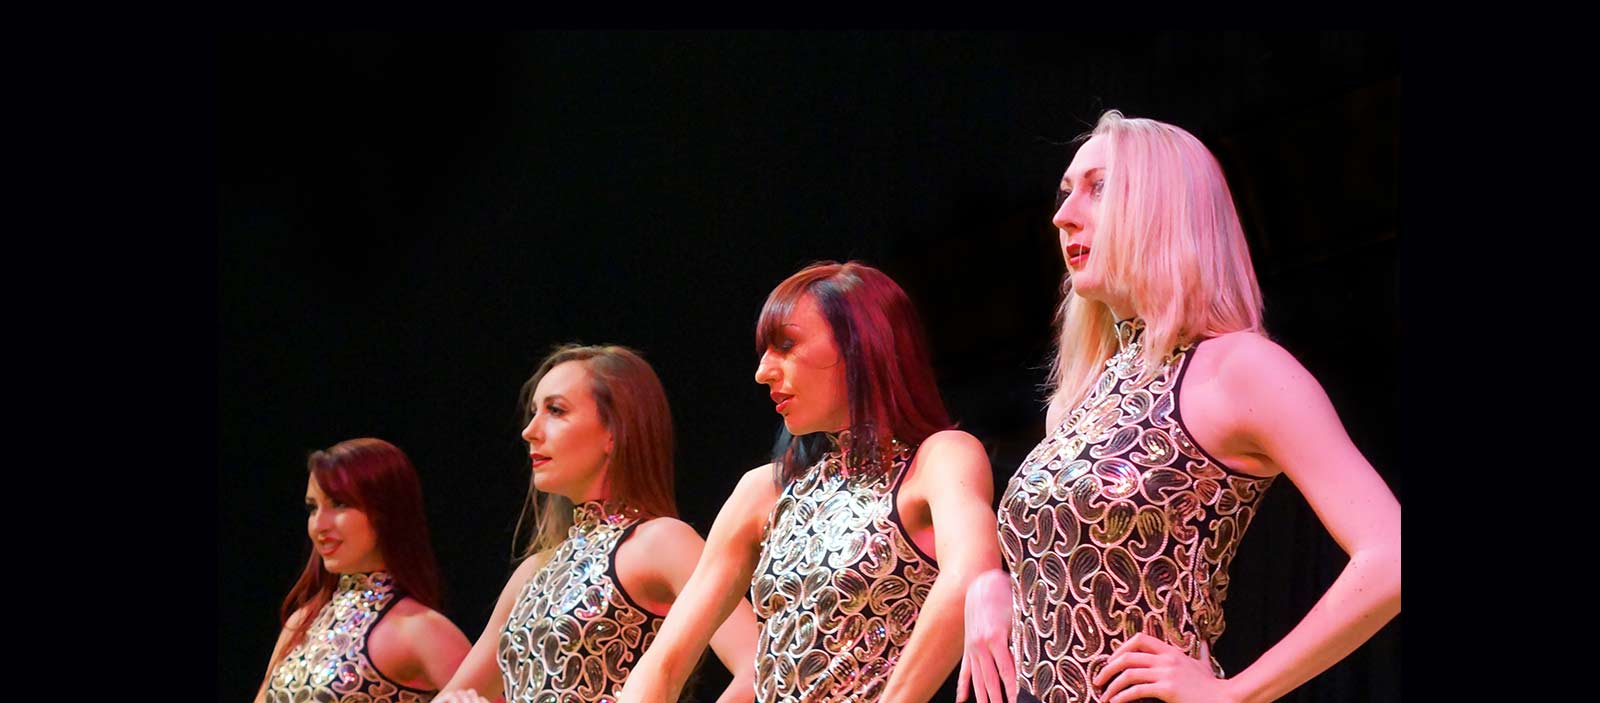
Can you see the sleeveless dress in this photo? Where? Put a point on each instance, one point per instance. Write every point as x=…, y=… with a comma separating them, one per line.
x=839, y=583
x=574, y=633
x=1118, y=523
x=331, y=664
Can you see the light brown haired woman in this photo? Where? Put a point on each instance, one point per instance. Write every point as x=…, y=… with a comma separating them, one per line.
x=610, y=557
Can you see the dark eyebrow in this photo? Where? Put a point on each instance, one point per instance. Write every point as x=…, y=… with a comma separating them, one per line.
x=1086, y=174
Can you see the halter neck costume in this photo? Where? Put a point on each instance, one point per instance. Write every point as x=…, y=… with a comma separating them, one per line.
x=574, y=633
x=331, y=664
x=1118, y=523
x=839, y=583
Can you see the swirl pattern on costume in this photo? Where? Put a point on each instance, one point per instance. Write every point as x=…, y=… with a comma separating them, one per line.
x=839, y=584
x=331, y=664
x=1118, y=523
x=574, y=634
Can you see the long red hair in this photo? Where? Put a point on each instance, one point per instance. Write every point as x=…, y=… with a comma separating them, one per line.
x=888, y=370
x=378, y=479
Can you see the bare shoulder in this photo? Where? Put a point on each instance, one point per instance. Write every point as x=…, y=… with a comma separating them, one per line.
x=657, y=560
x=951, y=461
x=1270, y=407
x=665, y=534
x=416, y=620
x=417, y=645
x=746, y=510
x=298, y=618
x=757, y=492
x=1249, y=357
x=955, y=448
x=762, y=477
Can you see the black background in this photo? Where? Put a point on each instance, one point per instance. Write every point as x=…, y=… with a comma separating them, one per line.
x=409, y=221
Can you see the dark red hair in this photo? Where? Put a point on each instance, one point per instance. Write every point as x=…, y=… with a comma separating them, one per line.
x=378, y=479
x=888, y=371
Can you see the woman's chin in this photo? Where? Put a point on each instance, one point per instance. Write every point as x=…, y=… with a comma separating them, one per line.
x=1086, y=286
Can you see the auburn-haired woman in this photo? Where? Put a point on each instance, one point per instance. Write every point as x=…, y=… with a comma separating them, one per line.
x=857, y=542
x=360, y=623
x=609, y=558
x=1172, y=413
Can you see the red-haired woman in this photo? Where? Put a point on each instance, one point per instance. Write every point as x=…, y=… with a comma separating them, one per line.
x=858, y=541
x=609, y=558
x=360, y=623
x=1172, y=414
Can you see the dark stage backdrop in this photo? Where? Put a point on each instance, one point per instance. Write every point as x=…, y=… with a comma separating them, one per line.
x=409, y=222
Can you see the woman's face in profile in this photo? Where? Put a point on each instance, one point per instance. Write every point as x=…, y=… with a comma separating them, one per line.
x=1078, y=210
x=567, y=441
x=804, y=372
x=341, y=533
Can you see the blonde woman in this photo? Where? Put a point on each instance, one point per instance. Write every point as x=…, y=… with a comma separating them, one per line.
x=1172, y=413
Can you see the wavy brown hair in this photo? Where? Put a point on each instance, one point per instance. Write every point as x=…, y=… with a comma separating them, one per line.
x=633, y=406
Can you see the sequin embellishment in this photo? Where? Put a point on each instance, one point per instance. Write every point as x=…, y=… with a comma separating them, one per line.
x=573, y=635
x=331, y=665
x=1117, y=523
x=838, y=585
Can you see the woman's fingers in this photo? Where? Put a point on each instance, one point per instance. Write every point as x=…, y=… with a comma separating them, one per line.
x=989, y=680
x=1006, y=666
x=1120, y=662
x=1129, y=677
x=963, y=679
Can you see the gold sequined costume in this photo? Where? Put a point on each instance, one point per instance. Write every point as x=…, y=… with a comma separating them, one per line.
x=574, y=633
x=1118, y=523
x=839, y=583
x=331, y=664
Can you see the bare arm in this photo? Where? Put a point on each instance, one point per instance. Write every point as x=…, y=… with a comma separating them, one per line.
x=720, y=577
x=437, y=646
x=987, y=662
x=1290, y=418
x=480, y=670
x=952, y=470
x=675, y=549
x=735, y=645
x=1282, y=416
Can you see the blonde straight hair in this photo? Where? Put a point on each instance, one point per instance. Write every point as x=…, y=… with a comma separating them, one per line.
x=1169, y=241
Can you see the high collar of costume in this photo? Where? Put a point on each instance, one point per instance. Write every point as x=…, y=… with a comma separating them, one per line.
x=1129, y=333
x=595, y=513
x=379, y=581
x=842, y=452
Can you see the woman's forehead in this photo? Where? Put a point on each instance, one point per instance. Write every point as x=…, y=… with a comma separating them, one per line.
x=1092, y=155
x=804, y=314
x=568, y=378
